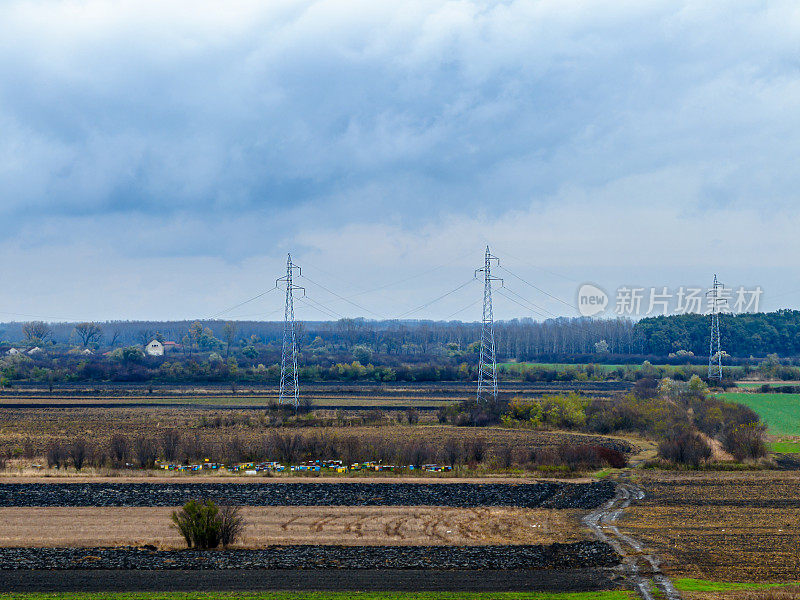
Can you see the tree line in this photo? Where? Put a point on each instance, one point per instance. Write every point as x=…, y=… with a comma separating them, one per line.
x=681, y=337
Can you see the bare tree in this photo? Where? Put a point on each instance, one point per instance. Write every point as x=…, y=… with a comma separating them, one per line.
x=78, y=452
x=88, y=333
x=55, y=455
x=170, y=444
x=453, y=451
x=120, y=449
x=37, y=331
x=116, y=333
x=145, y=451
x=287, y=446
x=144, y=337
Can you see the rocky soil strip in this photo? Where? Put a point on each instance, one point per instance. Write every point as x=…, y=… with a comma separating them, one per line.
x=248, y=580
x=556, y=495
x=576, y=555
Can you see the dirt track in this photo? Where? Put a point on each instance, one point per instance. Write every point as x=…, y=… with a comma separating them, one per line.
x=643, y=570
x=413, y=526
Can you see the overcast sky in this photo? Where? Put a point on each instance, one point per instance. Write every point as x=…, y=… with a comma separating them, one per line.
x=158, y=160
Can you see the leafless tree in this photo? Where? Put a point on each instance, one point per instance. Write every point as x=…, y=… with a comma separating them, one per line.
x=55, y=455
x=78, y=452
x=37, y=331
x=120, y=449
x=145, y=451
x=170, y=444
x=88, y=333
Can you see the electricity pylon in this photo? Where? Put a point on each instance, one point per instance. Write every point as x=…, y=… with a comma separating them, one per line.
x=289, y=352
x=716, y=300
x=487, y=368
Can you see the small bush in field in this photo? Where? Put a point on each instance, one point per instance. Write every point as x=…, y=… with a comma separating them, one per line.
x=204, y=524
x=745, y=441
x=685, y=447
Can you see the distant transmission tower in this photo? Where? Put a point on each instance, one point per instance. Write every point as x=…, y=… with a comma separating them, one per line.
x=289, y=353
x=487, y=368
x=715, y=351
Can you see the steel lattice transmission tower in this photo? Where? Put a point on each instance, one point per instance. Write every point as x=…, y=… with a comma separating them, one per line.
x=487, y=368
x=716, y=301
x=289, y=353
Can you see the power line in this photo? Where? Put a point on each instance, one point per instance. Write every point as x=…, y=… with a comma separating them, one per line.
x=258, y=314
x=415, y=276
x=319, y=307
x=539, y=309
x=222, y=312
x=510, y=299
x=427, y=304
x=470, y=305
x=528, y=264
x=331, y=292
x=526, y=282
x=42, y=317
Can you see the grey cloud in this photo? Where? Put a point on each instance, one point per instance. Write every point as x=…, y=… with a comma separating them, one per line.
x=197, y=130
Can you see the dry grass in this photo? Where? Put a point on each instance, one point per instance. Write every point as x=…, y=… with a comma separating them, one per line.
x=86, y=527
x=41, y=426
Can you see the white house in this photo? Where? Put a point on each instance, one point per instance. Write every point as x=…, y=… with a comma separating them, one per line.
x=13, y=352
x=35, y=350
x=154, y=348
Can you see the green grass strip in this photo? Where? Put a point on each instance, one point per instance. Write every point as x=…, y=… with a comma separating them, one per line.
x=701, y=585
x=785, y=447
x=781, y=412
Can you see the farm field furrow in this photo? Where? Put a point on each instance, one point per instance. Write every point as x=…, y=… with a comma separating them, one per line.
x=364, y=526
x=727, y=527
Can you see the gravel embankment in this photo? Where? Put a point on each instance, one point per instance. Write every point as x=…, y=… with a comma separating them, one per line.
x=558, y=495
x=563, y=556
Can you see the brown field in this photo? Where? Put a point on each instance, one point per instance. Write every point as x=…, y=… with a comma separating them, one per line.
x=37, y=427
x=721, y=526
x=362, y=526
x=317, y=400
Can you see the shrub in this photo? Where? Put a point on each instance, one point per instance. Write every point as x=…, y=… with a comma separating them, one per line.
x=685, y=447
x=744, y=441
x=204, y=524
x=231, y=524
